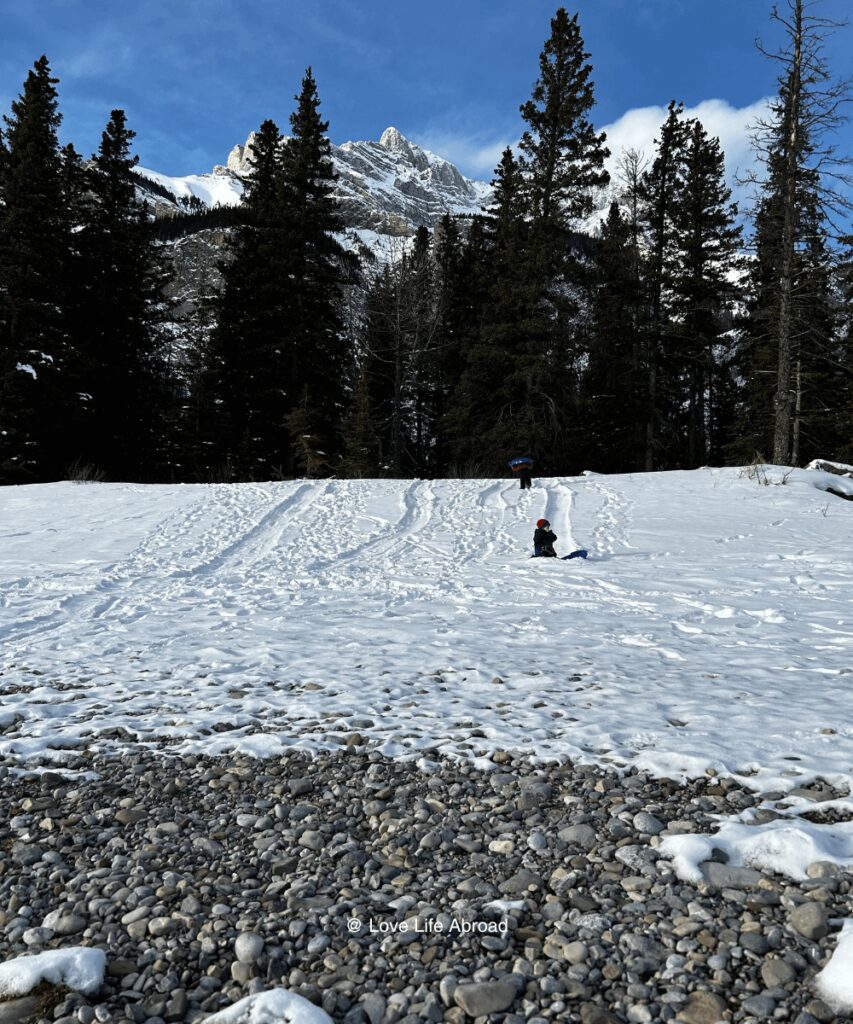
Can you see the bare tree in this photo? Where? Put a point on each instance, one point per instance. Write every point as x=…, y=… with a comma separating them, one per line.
x=795, y=144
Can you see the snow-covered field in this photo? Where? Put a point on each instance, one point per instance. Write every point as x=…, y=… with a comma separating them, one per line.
x=711, y=626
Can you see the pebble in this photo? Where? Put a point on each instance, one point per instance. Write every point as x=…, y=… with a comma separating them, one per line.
x=777, y=973
x=248, y=946
x=702, y=1008
x=760, y=1006
x=64, y=924
x=647, y=824
x=481, y=998
x=207, y=879
x=810, y=920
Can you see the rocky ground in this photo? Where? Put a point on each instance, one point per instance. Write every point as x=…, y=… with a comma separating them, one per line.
x=388, y=893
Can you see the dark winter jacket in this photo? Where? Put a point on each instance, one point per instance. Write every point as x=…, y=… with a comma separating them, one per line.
x=543, y=543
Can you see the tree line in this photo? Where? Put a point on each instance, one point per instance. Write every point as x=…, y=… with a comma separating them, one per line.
x=664, y=337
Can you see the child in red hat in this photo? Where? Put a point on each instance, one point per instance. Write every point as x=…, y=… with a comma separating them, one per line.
x=543, y=540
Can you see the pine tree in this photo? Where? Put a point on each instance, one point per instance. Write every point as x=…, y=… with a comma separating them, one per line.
x=790, y=330
x=614, y=412
x=246, y=390
x=315, y=342
x=503, y=402
x=801, y=167
x=35, y=257
x=563, y=166
x=841, y=395
x=661, y=188
x=278, y=357
x=306, y=432
x=822, y=365
x=442, y=288
x=401, y=359
x=756, y=354
x=121, y=336
x=77, y=199
x=706, y=243
x=361, y=439
x=565, y=157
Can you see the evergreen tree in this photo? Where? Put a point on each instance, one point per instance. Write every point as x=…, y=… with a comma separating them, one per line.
x=77, y=199
x=706, y=242
x=278, y=356
x=246, y=389
x=822, y=365
x=315, y=344
x=385, y=357
x=35, y=257
x=614, y=411
x=801, y=168
x=445, y=314
x=565, y=157
x=842, y=394
x=306, y=431
x=504, y=400
x=401, y=361
x=120, y=334
x=820, y=361
x=563, y=166
x=361, y=438
x=661, y=189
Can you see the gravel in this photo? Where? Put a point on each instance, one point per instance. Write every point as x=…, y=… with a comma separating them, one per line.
x=391, y=893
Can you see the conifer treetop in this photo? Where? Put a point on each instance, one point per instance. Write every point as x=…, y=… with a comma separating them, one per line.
x=565, y=156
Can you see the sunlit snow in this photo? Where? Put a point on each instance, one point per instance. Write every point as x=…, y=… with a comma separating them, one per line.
x=711, y=625
x=78, y=968
x=211, y=189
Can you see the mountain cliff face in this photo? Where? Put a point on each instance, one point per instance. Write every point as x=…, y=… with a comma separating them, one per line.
x=385, y=191
x=389, y=187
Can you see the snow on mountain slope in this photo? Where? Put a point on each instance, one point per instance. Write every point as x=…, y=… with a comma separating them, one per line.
x=389, y=187
x=210, y=189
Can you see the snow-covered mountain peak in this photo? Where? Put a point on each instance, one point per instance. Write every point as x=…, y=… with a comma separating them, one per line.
x=390, y=187
x=394, y=140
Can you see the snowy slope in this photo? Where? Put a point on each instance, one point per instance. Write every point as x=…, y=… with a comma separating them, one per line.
x=216, y=189
x=711, y=625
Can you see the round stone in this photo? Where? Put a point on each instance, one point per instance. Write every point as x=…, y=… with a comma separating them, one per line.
x=810, y=920
x=777, y=973
x=481, y=998
x=248, y=946
x=647, y=824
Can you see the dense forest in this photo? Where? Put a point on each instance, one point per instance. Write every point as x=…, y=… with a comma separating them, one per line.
x=680, y=332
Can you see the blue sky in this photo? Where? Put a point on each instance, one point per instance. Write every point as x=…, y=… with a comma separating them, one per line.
x=196, y=76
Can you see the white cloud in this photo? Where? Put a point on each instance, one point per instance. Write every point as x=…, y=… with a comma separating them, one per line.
x=477, y=154
x=637, y=129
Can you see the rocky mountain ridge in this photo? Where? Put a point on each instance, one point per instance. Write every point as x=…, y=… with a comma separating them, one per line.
x=384, y=188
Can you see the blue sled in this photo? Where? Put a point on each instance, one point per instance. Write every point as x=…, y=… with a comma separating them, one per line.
x=580, y=553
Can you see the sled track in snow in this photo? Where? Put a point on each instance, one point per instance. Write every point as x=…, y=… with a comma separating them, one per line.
x=258, y=541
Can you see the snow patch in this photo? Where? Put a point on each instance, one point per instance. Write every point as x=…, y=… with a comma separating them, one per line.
x=834, y=984
x=212, y=189
x=79, y=968
x=786, y=846
x=278, y=1006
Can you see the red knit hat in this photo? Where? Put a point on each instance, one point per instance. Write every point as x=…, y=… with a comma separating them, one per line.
x=542, y=522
